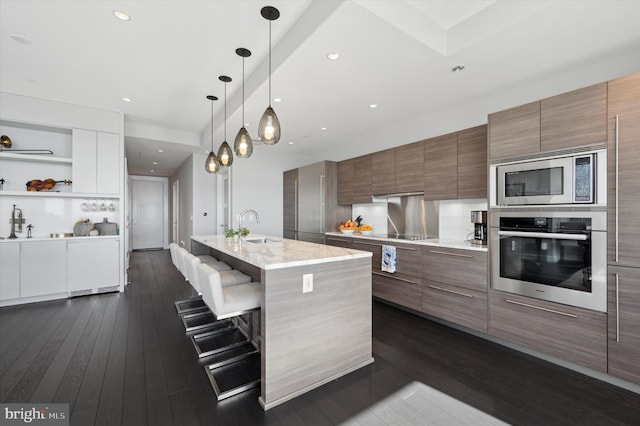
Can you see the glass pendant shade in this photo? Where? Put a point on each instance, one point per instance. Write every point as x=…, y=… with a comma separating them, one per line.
x=225, y=155
x=212, y=165
x=243, y=145
x=269, y=127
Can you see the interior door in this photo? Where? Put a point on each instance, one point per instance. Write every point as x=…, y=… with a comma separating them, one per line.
x=175, y=202
x=147, y=198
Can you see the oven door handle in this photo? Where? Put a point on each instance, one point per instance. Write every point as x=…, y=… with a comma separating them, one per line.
x=578, y=237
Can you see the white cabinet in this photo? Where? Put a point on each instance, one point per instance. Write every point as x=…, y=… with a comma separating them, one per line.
x=43, y=268
x=93, y=264
x=9, y=271
x=96, y=162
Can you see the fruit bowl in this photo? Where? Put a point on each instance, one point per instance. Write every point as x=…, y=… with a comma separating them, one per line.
x=366, y=232
x=347, y=231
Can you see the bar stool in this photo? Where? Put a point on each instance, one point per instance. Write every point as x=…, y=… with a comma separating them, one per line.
x=235, y=366
x=197, y=316
x=174, y=257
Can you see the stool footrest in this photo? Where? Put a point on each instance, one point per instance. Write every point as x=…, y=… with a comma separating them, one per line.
x=200, y=321
x=236, y=377
x=217, y=341
x=189, y=306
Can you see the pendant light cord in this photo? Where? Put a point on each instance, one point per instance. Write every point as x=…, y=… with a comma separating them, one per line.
x=225, y=111
x=242, y=91
x=269, y=63
x=211, y=125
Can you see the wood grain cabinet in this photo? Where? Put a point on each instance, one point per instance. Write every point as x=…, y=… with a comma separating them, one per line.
x=441, y=167
x=409, y=167
x=455, y=286
x=339, y=241
x=472, y=163
x=400, y=290
x=573, y=119
x=514, y=132
x=383, y=177
x=290, y=201
x=573, y=334
x=624, y=174
x=345, y=181
x=361, y=184
x=624, y=323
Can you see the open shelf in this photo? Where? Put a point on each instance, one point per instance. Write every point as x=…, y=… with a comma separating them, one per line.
x=55, y=194
x=36, y=158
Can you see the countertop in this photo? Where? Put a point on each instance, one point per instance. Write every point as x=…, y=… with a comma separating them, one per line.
x=436, y=242
x=48, y=238
x=278, y=252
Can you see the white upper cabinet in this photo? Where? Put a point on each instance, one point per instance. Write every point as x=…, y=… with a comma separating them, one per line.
x=96, y=163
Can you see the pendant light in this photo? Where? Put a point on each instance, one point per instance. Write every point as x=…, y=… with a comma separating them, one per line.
x=243, y=146
x=212, y=165
x=269, y=127
x=225, y=155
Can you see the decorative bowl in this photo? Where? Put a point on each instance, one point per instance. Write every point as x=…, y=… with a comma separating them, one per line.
x=347, y=231
x=366, y=232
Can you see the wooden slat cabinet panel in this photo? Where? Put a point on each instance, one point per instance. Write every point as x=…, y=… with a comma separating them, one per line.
x=383, y=167
x=623, y=159
x=408, y=259
x=346, y=242
x=565, y=332
x=374, y=247
x=624, y=323
x=441, y=167
x=463, y=268
x=401, y=290
x=345, y=182
x=456, y=304
x=409, y=167
x=573, y=119
x=289, y=200
x=361, y=184
x=514, y=132
x=472, y=163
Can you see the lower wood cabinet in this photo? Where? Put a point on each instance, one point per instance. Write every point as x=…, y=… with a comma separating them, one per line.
x=405, y=291
x=330, y=240
x=624, y=323
x=565, y=332
x=463, y=268
x=455, y=304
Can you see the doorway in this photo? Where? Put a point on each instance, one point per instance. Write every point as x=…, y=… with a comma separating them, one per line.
x=149, y=212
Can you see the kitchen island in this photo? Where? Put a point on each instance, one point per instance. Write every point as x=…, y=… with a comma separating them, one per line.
x=309, y=334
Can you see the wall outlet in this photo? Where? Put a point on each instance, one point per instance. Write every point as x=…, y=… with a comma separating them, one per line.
x=307, y=283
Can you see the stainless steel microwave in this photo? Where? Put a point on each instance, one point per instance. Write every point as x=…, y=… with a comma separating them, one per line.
x=571, y=179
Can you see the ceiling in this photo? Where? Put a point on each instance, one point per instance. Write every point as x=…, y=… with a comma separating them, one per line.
x=397, y=54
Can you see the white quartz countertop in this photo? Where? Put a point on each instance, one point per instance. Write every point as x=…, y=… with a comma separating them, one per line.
x=436, y=242
x=278, y=252
x=48, y=238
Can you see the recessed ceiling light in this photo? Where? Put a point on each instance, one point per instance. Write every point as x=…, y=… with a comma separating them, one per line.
x=126, y=99
x=161, y=150
x=277, y=99
x=123, y=16
x=332, y=56
x=291, y=142
x=457, y=68
x=372, y=106
x=323, y=128
x=155, y=163
x=20, y=39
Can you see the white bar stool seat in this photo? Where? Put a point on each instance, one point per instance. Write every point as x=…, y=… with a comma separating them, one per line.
x=229, y=301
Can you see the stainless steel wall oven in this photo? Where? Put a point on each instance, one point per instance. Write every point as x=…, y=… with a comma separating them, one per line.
x=553, y=255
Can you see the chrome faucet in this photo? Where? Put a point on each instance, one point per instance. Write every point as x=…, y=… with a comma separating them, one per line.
x=245, y=212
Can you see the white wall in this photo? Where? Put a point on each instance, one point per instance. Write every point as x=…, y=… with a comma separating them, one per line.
x=185, y=177
x=204, y=186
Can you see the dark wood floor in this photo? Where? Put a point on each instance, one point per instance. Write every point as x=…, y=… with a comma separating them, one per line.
x=124, y=359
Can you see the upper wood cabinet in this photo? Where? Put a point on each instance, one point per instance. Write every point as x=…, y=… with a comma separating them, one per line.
x=472, y=163
x=409, y=167
x=573, y=119
x=361, y=184
x=289, y=199
x=383, y=177
x=441, y=167
x=623, y=158
x=514, y=132
x=345, y=181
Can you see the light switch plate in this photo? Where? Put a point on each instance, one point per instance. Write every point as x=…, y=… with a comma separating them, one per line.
x=307, y=283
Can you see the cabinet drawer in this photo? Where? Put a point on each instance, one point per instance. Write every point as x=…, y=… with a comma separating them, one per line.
x=339, y=242
x=408, y=256
x=464, y=268
x=456, y=304
x=573, y=334
x=405, y=291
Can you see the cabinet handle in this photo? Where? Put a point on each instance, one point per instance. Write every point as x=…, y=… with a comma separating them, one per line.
x=336, y=239
x=617, y=308
x=395, y=278
x=617, y=185
x=406, y=248
x=451, y=254
x=368, y=244
x=541, y=308
x=451, y=291
x=557, y=236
